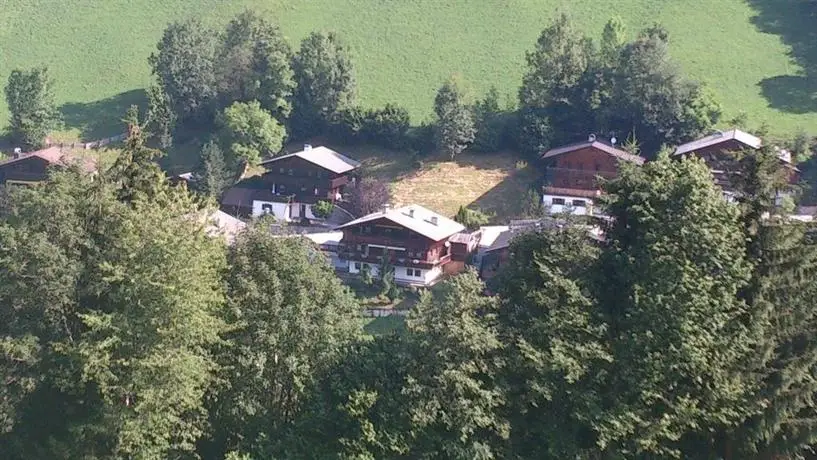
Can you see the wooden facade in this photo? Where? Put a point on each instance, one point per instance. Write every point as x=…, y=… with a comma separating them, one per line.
x=573, y=174
x=370, y=241
x=291, y=184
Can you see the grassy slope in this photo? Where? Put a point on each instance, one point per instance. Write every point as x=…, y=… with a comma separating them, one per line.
x=403, y=49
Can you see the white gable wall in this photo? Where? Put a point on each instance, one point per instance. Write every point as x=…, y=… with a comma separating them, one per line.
x=568, y=205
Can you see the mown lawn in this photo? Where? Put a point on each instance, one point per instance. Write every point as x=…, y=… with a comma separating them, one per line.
x=755, y=54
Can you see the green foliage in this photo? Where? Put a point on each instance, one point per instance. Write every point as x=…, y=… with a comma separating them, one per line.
x=30, y=99
x=556, y=355
x=673, y=271
x=455, y=129
x=184, y=65
x=491, y=124
x=325, y=83
x=456, y=403
x=121, y=302
x=386, y=127
x=621, y=87
x=212, y=175
x=290, y=321
x=472, y=219
x=254, y=64
x=135, y=174
x=532, y=206
x=779, y=298
x=323, y=209
x=385, y=277
x=251, y=132
x=160, y=115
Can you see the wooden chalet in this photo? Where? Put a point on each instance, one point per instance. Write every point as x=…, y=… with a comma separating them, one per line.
x=32, y=168
x=291, y=185
x=415, y=240
x=718, y=151
x=573, y=171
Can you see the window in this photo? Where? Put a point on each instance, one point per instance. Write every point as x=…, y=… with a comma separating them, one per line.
x=598, y=167
x=290, y=172
x=357, y=266
x=568, y=165
x=282, y=188
x=557, y=201
x=579, y=203
x=266, y=208
x=414, y=272
x=367, y=229
x=281, y=170
x=580, y=166
x=359, y=247
x=309, y=173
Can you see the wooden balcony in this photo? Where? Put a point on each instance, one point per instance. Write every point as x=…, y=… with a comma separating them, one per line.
x=396, y=259
x=576, y=178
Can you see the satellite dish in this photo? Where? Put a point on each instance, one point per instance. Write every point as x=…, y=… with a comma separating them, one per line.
x=415, y=261
x=613, y=140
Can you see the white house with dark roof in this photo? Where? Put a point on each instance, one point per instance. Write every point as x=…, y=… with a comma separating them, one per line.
x=413, y=239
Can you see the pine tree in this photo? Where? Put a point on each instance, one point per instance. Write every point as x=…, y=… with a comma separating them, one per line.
x=213, y=176
x=781, y=298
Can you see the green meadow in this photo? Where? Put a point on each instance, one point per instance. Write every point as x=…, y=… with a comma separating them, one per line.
x=759, y=56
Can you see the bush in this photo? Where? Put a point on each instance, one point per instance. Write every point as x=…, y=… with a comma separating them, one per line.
x=534, y=131
x=387, y=127
x=322, y=209
x=421, y=139
x=347, y=126
x=492, y=124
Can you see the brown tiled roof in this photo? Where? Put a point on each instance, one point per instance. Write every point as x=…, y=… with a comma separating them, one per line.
x=577, y=192
x=598, y=145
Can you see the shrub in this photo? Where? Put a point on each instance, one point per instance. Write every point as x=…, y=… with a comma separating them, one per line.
x=322, y=209
x=387, y=127
x=421, y=139
x=347, y=126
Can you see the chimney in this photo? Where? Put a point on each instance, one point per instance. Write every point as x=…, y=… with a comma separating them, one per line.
x=307, y=147
x=433, y=220
x=386, y=207
x=18, y=152
x=591, y=138
x=411, y=212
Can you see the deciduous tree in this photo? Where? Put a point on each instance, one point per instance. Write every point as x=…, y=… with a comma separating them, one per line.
x=185, y=65
x=325, y=83
x=367, y=195
x=251, y=132
x=254, y=64
x=213, y=175
x=290, y=322
x=30, y=98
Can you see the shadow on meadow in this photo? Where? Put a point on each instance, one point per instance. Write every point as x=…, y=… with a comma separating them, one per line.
x=103, y=118
x=795, y=21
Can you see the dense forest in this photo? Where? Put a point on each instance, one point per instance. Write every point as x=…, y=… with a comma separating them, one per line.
x=127, y=331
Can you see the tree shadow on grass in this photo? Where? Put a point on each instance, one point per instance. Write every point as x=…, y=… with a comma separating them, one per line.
x=103, y=118
x=795, y=21
x=506, y=200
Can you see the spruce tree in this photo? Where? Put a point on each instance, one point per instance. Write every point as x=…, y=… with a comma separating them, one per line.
x=781, y=298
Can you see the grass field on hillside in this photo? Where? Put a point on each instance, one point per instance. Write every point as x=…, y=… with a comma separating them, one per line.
x=757, y=55
x=496, y=183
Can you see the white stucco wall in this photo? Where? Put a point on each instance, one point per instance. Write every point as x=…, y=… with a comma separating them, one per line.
x=547, y=200
x=401, y=273
x=295, y=211
x=279, y=210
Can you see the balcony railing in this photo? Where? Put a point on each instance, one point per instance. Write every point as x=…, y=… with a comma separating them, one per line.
x=396, y=259
x=583, y=178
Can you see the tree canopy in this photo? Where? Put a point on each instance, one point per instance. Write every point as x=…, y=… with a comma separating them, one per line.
x=30, y=98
